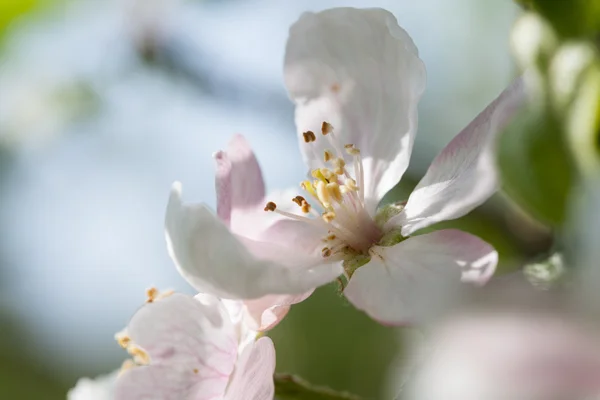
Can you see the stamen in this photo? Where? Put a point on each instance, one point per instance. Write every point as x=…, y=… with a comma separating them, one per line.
x=270, y=206
x=309, y=136
x=139, y=355
x=339, y=165
x=326, y=128
x=299, y=200
x=326, y=252
x=334, y=191
x=305, y=207
x=151, y=294
x=350, y=149
x=123, y=339
x=323, y=194
x=327, y=155
x=351, y=184
x=328, y=216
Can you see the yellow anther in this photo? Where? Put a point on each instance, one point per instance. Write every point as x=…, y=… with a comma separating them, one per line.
x=318, y=174
x=334, y=191
x=123, y=339
x=351, y=184
x=151, y=294
x=309, y=136
x=326, y=128
x=327, y=155
x=350, y=149
x=270, y=206
x=308, y=186
x=339, y=165
x=326, y=252
x=323, y=194
x=139, y=355
x=328, y=216
x=330, y=237
x=327, y=174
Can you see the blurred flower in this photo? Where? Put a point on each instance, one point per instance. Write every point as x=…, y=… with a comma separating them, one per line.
x=529, y=349
x=184, y=347
x=370, y=92
x=101, y=388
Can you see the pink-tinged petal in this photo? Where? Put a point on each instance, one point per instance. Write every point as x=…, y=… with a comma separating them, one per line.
x=101, y=388
x=238, y=182
x=368, y=90
x=464, y=174
x=215, y=261
x=266, y=312
x=403, y=284
x=510, y=355
x=192, y=349
x=253, y=377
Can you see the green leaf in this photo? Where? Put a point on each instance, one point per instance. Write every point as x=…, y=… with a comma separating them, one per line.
x=290, y=387
x=536, y=166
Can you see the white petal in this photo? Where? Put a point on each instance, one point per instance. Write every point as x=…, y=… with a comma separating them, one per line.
x=192, y=349
x=238, y=180
x=359, y=71
x=253, y=378
x=415, y=277
x=266, y=312
x=101, y=388
x=214, y=261
x=464, y=174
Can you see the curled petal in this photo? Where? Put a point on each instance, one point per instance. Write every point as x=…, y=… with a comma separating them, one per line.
x=191, y=350
x=239, y=183
x=368, y=90
x=464, y=174
x=253, y=378
x=266, y=312
x=215, y=261
x=404, y=283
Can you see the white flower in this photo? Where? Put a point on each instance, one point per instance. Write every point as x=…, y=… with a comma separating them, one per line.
x=356, y=78
x=195, y=348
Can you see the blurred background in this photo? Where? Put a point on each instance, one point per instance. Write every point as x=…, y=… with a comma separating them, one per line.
x=103, y=104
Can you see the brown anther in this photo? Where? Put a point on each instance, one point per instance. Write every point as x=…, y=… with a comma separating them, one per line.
x=305, y=207
x=326, y=128
x=328, y=216
x=309, y=136
x=327, y=156
x=151, y=294
x=196, y=370
x=270, y=206
x=335, y=88
x=299, y=200
x=330, y=237
x=326, y=252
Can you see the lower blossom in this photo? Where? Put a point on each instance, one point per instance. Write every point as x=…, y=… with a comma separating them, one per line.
x=195, y=348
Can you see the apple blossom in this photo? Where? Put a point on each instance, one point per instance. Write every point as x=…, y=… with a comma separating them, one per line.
x=356, y=79
x=197, y=348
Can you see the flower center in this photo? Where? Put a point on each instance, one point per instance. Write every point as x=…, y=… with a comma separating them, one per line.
x=338, y=197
